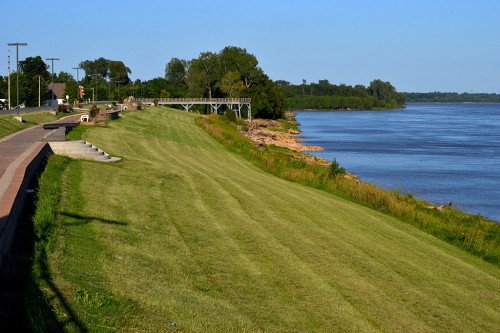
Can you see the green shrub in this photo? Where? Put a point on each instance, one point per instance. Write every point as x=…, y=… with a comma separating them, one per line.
x=231, y=115
x=94, y=111
x=335, y=169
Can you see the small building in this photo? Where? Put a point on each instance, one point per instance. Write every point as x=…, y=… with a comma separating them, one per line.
x=58, y=90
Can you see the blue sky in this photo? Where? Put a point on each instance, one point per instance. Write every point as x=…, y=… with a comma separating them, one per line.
x=419, y=46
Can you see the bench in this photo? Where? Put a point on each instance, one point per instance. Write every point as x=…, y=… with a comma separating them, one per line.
x=57, y=125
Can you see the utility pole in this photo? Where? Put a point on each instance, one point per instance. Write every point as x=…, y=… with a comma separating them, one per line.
x=17, y=70
x=52, y=68
x=8, y=78
x=39, y=90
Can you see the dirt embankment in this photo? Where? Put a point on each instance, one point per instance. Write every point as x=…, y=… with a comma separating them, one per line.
x=271, y=132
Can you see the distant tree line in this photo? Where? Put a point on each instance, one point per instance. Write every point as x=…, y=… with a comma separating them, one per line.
x=451, y=97
x=326, y=96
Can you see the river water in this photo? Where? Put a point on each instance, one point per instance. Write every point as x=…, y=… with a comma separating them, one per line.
x=439, y=152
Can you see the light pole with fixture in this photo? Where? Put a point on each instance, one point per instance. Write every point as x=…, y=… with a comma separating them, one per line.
x=118, y=81
x=17, y=71
x=77, y=84
x=52, y=68
x=96, y=75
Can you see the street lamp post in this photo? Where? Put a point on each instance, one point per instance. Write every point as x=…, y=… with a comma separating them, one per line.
x=118, y=81
x=52, y=68
x=77, y=84
x=17, y=71
x=96, y=75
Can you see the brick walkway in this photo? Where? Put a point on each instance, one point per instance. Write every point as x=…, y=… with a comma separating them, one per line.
x=17, y=151
x=14, y=145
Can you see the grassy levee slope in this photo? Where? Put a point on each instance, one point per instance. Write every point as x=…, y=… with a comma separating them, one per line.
x=9, y=125
x=186, y=236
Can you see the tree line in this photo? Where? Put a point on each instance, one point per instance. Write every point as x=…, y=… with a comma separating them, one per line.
x=232, y=72
x=326, y=96
x=451, y=97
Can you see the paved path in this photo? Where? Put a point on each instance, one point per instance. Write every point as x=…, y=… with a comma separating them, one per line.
x=17, y=151
x=15, y=145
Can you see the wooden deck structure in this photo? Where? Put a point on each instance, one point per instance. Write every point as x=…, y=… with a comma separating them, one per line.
x=235, y=104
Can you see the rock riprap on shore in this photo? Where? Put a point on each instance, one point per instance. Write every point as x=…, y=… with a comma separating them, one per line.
x=270, y=132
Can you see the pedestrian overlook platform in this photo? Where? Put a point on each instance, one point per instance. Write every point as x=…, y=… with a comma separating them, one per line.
x=235, y=104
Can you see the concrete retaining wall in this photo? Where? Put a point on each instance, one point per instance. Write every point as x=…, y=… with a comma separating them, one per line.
x=14, y=184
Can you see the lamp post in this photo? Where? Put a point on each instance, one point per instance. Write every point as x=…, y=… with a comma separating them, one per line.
x=96, y=75
x=77, y=84
x=17, y=71
x=119, y=81
x=52, y=68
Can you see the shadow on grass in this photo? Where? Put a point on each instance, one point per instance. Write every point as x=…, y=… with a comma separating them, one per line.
x=24, y=306
x=71, y=316
x=88, y=219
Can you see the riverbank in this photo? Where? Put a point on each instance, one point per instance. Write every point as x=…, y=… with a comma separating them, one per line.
x=265, y=132
x=472, y=233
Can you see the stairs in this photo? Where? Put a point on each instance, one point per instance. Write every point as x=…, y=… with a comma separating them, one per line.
x=57, y=134
x=81, y=149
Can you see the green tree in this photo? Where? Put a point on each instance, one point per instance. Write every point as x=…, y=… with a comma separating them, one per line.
x=31, y=70
x=203, y=75
x=118, y=72
x=232, y=85
x=153, y=87
x=381, y=90
x=268, y=99
x=164, y=93
x=63, y=77
x=176, y=72
x=98, y=66
x=237, y=59
x=71, y=90
x=3, y=87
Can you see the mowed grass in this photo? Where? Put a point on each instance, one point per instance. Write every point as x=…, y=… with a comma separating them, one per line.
x=183, y=235
x=9, y=125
